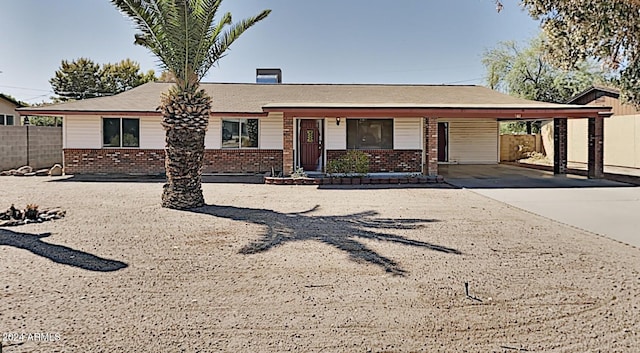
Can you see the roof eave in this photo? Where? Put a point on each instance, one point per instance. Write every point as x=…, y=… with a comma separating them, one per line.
x=449, y=112
x=42, y=112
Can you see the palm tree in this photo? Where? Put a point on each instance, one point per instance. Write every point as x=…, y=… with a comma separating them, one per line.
x=186, y=39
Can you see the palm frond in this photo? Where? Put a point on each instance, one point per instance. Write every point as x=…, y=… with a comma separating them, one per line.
x=184, y=35
x=222, y=41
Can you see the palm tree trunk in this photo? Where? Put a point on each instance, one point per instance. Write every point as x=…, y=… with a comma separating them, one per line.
x=185, y=119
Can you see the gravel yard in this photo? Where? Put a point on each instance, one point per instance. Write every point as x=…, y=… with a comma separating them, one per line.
x=269, y=268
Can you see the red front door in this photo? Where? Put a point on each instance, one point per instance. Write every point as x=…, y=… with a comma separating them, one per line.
x=310, y=147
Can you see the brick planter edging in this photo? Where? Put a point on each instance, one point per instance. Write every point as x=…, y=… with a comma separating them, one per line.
x=353, y=181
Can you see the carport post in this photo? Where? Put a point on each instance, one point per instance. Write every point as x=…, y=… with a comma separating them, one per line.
x=287, y=144
x=596, y=148
x=560, y=146
x=430, y=149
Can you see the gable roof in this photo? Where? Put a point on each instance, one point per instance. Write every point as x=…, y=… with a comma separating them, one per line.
x=245, y=98
x=12, y=100
x=614, y=92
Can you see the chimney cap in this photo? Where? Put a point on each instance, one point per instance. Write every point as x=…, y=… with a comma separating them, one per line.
x=271, y=75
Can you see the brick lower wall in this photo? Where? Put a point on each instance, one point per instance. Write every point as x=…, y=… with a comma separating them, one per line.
x=405, y=161
x=151, y=161
x=113, y=161
x=242, y=161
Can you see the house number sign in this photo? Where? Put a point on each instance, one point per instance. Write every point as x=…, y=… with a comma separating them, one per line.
x=310, y=136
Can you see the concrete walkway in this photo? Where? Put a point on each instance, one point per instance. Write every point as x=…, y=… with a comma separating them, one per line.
x=603, y=207
x=612, y=212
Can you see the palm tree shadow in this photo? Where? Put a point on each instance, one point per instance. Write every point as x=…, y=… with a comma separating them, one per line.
x=338, y=231
x=58, y=253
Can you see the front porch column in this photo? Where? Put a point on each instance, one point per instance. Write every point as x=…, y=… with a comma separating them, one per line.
x=560, y=146
x=430, y=149
x=287, y=144
x=596, y=148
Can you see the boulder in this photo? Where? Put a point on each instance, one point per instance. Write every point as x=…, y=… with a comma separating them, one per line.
x=56, y=170
x=25, y=169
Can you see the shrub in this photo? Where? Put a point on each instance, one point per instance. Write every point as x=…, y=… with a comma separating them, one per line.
x=353, y=163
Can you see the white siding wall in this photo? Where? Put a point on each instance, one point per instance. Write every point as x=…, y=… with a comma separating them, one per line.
x=271, y=132
x=213, y=138
x=407, y=134
x=82, y=131
x=85, y=131
x=335, y=136
x=473, y=141
x=151, y=132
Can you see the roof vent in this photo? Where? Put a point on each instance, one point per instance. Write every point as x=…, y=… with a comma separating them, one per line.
x=268, y=76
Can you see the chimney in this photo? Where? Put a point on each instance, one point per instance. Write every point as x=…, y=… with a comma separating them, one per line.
x=268, y=76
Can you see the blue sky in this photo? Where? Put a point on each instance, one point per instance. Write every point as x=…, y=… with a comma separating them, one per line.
x=328, y=41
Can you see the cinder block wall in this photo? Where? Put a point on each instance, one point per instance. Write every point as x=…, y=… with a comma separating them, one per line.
x=513, y=147
x=45, y=146
x=13, y=147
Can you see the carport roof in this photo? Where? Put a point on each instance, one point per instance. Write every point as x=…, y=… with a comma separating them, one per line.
x=358, y=99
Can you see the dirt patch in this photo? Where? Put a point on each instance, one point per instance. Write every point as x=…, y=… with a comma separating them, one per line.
x=297, y=268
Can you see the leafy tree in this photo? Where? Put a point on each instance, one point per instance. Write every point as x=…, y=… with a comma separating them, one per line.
x=166, y=76
x=188, y=41
x=608, y=31
x=83, y=78
x=528, y=73
x=123, y=76
x=44, y=120
x=78, y=79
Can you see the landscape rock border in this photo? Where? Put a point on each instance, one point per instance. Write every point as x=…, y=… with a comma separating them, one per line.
x=31, y=214
x=26, y=170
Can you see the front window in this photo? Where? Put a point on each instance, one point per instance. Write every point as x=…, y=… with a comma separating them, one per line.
x=120, y=132
x=239, y=133
x=370, y=134
x=6, y=119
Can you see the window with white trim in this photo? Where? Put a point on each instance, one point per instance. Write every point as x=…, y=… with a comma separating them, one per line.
x=6, y=119
x=120, y=132
x=240, y=133
x=370, y=134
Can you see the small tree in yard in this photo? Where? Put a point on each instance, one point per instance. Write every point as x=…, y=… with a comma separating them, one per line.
x=186, y=39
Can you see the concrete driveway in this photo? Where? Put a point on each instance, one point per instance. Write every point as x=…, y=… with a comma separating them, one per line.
x=600, y=206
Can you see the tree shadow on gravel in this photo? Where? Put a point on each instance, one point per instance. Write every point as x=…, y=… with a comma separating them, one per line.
x=338, y=231
x=58, y=253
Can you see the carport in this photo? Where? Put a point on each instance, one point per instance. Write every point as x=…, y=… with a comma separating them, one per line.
x=595, y=138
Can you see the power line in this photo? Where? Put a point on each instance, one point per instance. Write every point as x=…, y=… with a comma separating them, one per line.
x=28, y=89
x=463, y=81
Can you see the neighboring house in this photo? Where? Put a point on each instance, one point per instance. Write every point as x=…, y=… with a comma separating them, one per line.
x=8, y=114
x=260, y=127
x=621, y=131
